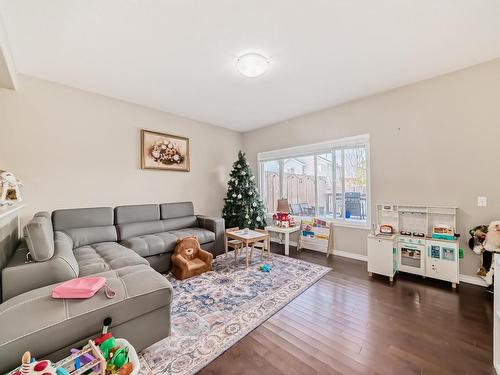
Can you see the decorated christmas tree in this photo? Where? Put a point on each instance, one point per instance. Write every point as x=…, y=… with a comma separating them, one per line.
x=243, y=207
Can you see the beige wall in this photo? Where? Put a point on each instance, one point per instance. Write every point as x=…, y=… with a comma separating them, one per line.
x=436, y=142
x=74, y=149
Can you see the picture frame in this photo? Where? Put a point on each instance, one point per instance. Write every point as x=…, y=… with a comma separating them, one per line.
x=163, y=151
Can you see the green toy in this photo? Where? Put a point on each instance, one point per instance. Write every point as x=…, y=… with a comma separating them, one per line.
x=106, y=346
x=265, y=268
x=120, y=357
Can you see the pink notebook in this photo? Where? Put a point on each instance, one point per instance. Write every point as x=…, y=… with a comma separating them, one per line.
x=82, y=287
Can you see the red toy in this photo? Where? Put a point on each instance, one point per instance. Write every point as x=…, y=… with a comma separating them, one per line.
x=283, y=219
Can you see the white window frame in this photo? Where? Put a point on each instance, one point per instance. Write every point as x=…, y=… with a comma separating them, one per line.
x=313, y=150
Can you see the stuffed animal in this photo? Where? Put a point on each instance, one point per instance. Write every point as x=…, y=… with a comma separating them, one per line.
x=485, y=240
x=478, y=235
x=10, y=188
x=189, y=259
x=492, y=240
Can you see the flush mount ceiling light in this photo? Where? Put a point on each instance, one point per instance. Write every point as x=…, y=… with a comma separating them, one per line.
x=252, y=64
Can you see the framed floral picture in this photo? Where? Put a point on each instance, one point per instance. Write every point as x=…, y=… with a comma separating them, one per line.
x=164, y=151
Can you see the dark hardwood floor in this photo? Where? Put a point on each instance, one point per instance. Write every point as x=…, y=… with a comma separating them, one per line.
x=349, y=323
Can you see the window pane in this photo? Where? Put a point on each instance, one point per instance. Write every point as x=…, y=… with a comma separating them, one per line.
x=324, y=185
x=355, y=183
x=271, y=184
x=298, y=185
x=339, y=201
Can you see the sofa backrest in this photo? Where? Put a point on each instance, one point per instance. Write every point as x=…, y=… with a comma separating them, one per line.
x=86, y=226
x=178, y=215
x=138, y=220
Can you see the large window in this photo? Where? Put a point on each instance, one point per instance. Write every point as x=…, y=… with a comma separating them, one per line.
x=329, y=180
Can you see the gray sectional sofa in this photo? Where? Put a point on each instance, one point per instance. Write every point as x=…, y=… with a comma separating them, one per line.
x=129, y=245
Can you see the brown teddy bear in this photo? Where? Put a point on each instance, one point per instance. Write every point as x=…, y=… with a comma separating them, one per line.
x=189, y=259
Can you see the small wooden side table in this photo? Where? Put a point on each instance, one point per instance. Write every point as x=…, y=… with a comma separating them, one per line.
x=286, y=232
x=248, y=238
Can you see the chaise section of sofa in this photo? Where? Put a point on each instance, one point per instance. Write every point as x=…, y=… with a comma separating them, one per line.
x=125, y=245
x=49, y=327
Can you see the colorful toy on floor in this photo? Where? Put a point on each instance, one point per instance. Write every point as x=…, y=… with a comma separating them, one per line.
x=29, y=366
x=87, y=360
x=265, y=268
x=116, y=357
x=73, y=365
x=83, y=360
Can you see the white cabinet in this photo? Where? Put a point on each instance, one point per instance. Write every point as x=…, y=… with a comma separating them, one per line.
x=438, y=259
x=442, y=260
x=382, y=255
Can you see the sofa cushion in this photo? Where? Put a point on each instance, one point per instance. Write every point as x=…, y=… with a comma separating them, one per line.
x=174, y=210
x=137, y=213
x=105, y=256
x=203, y=235
x=137, y=229
x=137, y=220
x=39, y=238
x=180, y=223
x=151, y=244
x=86, y=225
x=82, y=218
x=86, y=236
x=43, y=324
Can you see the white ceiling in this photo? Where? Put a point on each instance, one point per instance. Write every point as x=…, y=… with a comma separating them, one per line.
x=179, y=55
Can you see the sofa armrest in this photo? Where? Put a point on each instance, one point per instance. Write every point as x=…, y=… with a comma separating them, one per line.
x=22, y=275
x=206, y=257
x=216, y=225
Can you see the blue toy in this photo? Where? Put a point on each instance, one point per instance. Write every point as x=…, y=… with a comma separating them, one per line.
x=265, y=268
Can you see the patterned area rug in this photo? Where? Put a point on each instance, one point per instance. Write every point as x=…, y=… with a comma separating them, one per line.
x=211, y=312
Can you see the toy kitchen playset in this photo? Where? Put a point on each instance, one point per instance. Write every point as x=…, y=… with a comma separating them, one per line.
x=415, y=239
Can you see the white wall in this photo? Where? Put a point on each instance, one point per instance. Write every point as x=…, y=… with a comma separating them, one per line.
x=77, y=149
x=434, y=142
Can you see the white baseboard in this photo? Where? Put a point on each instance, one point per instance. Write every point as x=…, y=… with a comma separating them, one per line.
x=475, y=280
x=340, y=253
x=347, y=254
x=468, y=279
